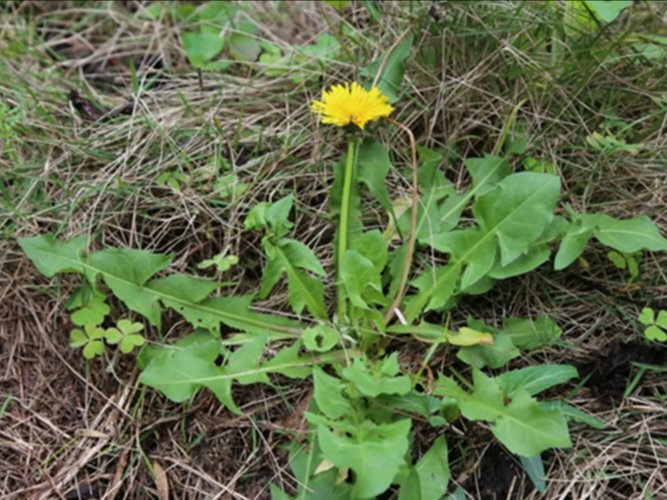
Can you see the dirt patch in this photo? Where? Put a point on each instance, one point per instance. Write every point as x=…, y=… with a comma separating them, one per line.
x=498, y=477
x=610, y=371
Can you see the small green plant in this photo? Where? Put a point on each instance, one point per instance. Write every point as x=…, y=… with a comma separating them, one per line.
x=214, y=28
x=91, y=339
x=365, y=401
x=609, y=144
x=626, y=262
x=126, y=335
x=222, y=262
x=656, y=325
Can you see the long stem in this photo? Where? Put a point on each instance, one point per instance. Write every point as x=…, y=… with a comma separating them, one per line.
x=410, y=250
x=344, y=221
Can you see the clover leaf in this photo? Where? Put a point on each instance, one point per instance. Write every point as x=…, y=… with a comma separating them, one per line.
x=125, y=335
x=91, y=338
x=656, y=326
x=647, y=316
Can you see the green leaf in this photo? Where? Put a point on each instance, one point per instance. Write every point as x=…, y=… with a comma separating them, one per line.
x=373, y=165
x=436, y=286
x=271, y=274
x=93, y=312
x=524, y=426
x=608, y=10
x=373, y=246
x=211, y=12
x=469, y=246
x=179, y=370
x=529, y=334
x=629, y=236
x=222, y=262
x=77, y=338
x=517, y=211
x=277, y=493
x=480, y=287
x=440, y=206
x=127, y=264
x=410, y=487
x=633, y=265
x=304, y=291
x=51, y=256
x=94, y=332
x=373, y=381
x=392, y=68
x=375, y=454
x=244, y=362
x=487, y=172
x=228, y=187
x=433, y=471
x=535, y=379
x=655, y=333
x=466, y=337
x=429, y=174
x=90, y=338
x=535, y=257
x=277, y=216
x=572, y=244
x=360, y=279
x=243, y=46
x=290, y=363
x=575, y=414
x=428, y=332
x=128, y=327
x=320, y=338
x=493, y=355
x=184, y=294
x=287, y=256
x=513, y=215
x=152, y=11
x=271, y=216
x=528, y=429
x=125, y=271
x=338, y=4
x=129, y=342
x=647, y=316
x=617, y=259
x=535, y=470
x=113, y=335
x=328, y=394
x=414, y=402
x=662, y=319
x=93, y=348
x=299, y=255
x=202, y=47
x=539, y=165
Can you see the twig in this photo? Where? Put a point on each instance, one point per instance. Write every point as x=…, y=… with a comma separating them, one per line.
x=387, y=56
x=407, y=262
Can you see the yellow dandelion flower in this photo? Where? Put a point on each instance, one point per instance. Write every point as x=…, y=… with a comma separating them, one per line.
x=350, y=103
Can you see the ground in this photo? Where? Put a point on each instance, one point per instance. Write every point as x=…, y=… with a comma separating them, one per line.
x=107, y=130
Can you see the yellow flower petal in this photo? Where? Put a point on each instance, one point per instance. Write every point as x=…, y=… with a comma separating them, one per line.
x=347, y=104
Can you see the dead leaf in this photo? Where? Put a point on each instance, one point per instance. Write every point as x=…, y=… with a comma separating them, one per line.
x=161, y=482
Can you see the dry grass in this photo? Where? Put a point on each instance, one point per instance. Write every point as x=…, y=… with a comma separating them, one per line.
x=70, y=429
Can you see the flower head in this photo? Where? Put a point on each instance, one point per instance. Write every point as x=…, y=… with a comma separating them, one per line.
x=346, y=104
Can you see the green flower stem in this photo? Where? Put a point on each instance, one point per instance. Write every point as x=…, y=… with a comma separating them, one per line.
x=344, y=221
